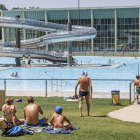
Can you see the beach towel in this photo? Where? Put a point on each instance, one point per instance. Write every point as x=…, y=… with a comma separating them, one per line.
x=66, y=99
x=51, y=130
x=37, y=129
x=72, y=100
x=18, y=100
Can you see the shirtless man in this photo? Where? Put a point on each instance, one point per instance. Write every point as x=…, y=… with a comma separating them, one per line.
x=29, y=60
x=84, y=82
x=137, y=84
x=58, y=119
x=31, y=114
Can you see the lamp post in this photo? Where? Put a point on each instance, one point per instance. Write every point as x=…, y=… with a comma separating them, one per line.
x=78, y=21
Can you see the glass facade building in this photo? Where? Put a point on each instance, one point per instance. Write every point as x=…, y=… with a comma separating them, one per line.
x=117, y=27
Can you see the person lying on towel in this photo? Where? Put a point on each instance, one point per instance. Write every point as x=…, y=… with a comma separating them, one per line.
x=58, y=119
x=31, y=114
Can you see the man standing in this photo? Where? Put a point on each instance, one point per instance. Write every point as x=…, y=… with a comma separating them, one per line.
x=31, y=114
x=29, y=60
x=84, y=82
x=137, y=84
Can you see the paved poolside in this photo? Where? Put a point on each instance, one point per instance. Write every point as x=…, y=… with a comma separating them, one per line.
x=42, y=93
x=130, y=113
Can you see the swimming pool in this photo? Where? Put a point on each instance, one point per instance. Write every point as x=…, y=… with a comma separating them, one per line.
x=128, y=72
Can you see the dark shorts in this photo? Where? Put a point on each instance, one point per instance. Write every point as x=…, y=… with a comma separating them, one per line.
x=83, y=93
x=29, y=61
x=137, y=90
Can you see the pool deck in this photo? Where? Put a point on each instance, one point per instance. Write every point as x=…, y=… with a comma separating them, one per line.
x=11, y=65
x=96, y=94
x=130, y=113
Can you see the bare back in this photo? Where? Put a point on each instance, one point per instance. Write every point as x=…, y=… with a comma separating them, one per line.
x=8, y=111
x=29, y=58
x=84, y=83
x=31, y=114
x=137, y=83
x=57, y=120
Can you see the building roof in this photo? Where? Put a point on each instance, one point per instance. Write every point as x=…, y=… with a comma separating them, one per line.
x=75, y=8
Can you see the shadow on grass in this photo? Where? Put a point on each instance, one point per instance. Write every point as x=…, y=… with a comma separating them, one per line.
x=119, y=105
x=99, y=116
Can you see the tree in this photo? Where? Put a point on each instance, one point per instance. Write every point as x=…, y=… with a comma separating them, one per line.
x=2, y=7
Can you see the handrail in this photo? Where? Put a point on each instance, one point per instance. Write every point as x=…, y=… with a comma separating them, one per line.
x=77, y=33
x=71, y=79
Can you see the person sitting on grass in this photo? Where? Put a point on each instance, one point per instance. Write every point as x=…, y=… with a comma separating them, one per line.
x=137, y=84
x=31, y=114
x=9, y=112
x=58, y=119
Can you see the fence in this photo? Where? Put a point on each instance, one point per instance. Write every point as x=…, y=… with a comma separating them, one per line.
x=66, y=87
x=132, y=92
x=106, y=53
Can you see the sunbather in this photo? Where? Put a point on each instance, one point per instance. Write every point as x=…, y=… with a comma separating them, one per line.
x=9, y=112
x=58, y=119
x=31, y=114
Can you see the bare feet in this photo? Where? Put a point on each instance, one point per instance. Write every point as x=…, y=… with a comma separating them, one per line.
x=81, y=115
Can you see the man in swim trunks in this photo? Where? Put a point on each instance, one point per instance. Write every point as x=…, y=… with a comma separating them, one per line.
x=58, y=119
x=29, y=60
x=84, y=82
x=137, y=84
x=31, y=114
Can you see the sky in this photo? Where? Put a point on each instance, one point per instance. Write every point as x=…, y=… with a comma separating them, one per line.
x=66, y=3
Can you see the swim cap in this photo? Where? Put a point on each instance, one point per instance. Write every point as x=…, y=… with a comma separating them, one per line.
x=58, y=109
x=28, y=55
x=85, y=73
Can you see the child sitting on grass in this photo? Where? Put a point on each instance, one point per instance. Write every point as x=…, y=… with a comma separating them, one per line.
x=58, y=119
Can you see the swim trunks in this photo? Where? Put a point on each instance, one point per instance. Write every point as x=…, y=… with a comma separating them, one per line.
x=60, y=129
x=137, y=90
x=41, y=122
x=83, y=93
x=29, y=61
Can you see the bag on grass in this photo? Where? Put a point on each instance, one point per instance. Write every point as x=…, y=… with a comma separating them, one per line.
x=4, y=124
x=15, y=131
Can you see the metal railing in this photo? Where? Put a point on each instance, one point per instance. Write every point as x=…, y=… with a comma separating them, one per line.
x=43, y=86
x=132, y=92
x=108, y=53
x=30, y=51
x=58, y=83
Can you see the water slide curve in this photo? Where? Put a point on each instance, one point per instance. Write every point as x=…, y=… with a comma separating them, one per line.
x=56, y=33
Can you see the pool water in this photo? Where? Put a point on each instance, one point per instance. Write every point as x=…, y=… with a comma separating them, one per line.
x=128, y=72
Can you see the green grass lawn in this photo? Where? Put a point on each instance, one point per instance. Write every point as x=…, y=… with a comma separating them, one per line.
x=97, y=126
